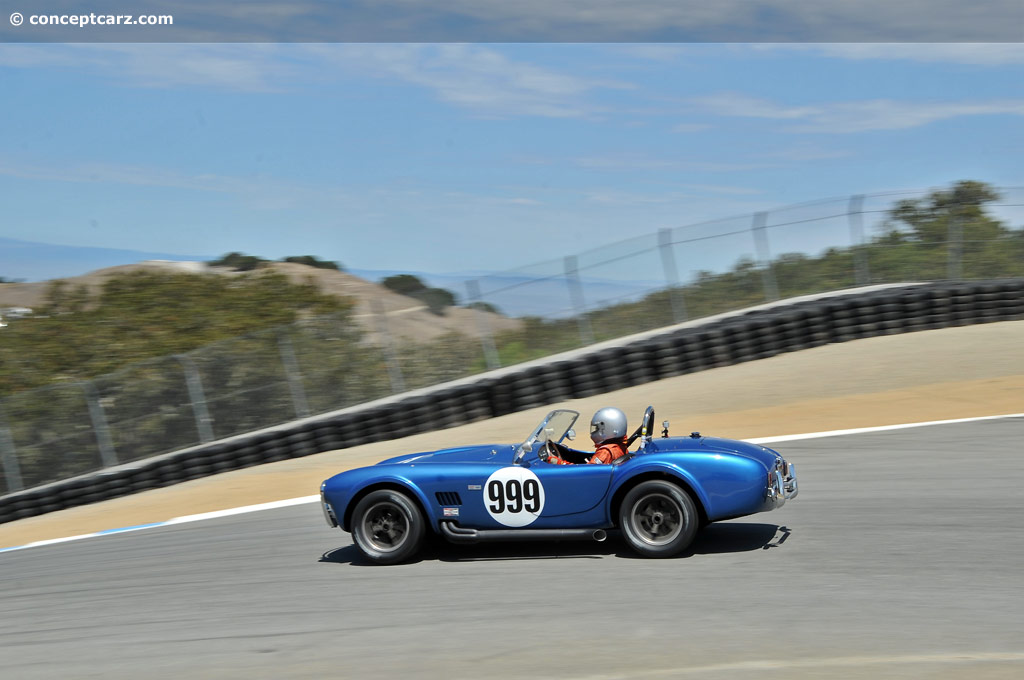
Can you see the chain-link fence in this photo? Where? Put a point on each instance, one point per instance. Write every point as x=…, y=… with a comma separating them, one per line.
x=239, y=385
x=666, y=277
x=702, y=269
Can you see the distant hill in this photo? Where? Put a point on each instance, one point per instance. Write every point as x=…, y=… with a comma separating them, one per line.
x=523, y=295
x=404, y=316
x=31, y=261
x=548, y=297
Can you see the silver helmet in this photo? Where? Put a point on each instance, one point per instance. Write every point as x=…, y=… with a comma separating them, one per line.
x=607, y=423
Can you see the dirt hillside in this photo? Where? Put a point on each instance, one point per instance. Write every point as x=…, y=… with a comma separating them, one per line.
x=404, y=316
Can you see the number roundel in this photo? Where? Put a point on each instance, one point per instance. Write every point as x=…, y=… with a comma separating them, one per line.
x=514, y=496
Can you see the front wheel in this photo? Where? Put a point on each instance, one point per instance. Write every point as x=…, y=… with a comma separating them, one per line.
x=658, y=519
x=387, y=526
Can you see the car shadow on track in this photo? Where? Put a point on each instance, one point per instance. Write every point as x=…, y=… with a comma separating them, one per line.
x=731, y=537
x=719, y=538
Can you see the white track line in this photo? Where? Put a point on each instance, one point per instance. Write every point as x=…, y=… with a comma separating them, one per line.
x=770, y=665
x=880, y=428
x=273, y=505
x=312, y=499
x=177, y=520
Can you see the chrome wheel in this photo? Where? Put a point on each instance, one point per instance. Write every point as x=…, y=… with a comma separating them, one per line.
x=385, y=526
x=657, y=519
x=388, y=526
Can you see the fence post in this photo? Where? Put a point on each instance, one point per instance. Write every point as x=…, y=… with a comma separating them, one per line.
x=771, y=289
x=855, y=214
x=572, y=277
x=9, y=457
x=204, y=423
x=954, y=265
x=291, y=371
x=484, y=328
x=668, y=263
x=394, y=368
x=99, y=424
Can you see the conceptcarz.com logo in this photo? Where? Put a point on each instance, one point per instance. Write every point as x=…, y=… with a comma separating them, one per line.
x=93, y=19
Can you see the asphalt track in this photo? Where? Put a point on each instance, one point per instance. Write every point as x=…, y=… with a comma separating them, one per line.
x=900, y=558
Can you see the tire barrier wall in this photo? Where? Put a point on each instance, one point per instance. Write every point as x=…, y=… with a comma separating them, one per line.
x=743, y=337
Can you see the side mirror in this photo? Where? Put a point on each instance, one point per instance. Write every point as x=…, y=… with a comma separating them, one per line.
x=570, y=435
x=524, y=448
x=664, y=432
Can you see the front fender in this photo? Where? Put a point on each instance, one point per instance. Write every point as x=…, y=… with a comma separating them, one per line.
x=343, y=499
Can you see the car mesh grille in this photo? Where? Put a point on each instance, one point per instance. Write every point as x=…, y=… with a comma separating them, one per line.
x=448, y=498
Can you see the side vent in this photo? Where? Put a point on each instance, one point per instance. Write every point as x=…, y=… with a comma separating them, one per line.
x=448, y=498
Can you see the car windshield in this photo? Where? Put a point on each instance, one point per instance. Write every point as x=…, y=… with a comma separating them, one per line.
x=554, y=427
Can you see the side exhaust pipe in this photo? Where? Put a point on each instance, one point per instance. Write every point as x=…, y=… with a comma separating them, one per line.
x=457, y=534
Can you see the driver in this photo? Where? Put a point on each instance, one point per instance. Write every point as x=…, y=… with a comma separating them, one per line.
x=607, y=431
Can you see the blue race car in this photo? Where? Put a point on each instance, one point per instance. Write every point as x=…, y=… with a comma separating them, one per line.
x=658, y=495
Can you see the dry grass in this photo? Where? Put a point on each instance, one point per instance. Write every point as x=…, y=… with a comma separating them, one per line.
x=405, y=316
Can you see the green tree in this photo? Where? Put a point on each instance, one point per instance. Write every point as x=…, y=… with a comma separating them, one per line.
x=313, y=261
x=946, y=232
x=239, y=262
x=436, y=299
x=404, y=284
x=928, y=220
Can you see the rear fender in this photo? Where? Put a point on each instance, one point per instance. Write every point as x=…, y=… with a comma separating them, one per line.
x=657, y=471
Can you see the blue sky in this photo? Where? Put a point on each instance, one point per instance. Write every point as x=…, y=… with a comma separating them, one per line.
x=458, y=157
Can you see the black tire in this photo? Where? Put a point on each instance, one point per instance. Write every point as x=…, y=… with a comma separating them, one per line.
x=387, y=526
x=658, y=519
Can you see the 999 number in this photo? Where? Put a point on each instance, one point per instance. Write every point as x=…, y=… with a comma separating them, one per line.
x=512, y=496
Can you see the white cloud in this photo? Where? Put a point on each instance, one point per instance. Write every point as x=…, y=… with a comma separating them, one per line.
x=739, y=104
x=518, y=201
x=803, y=152
x=853, y=116
x=975, y=54
x=258, y=192
x=474, y=77
x=487, y=200
x=639, y=162
x=471, y=77
x=683, y=193
x=625, y=161
x=246, y=68
x=613, y=197
x=690, y=127
x=723, y=189
x=102, y=173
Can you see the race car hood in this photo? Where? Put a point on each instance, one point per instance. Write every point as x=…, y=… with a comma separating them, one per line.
x=759, y=453
x=488, y=453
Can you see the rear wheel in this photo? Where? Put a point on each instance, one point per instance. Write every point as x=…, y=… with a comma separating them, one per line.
x=658, y=519
x=387, y=526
